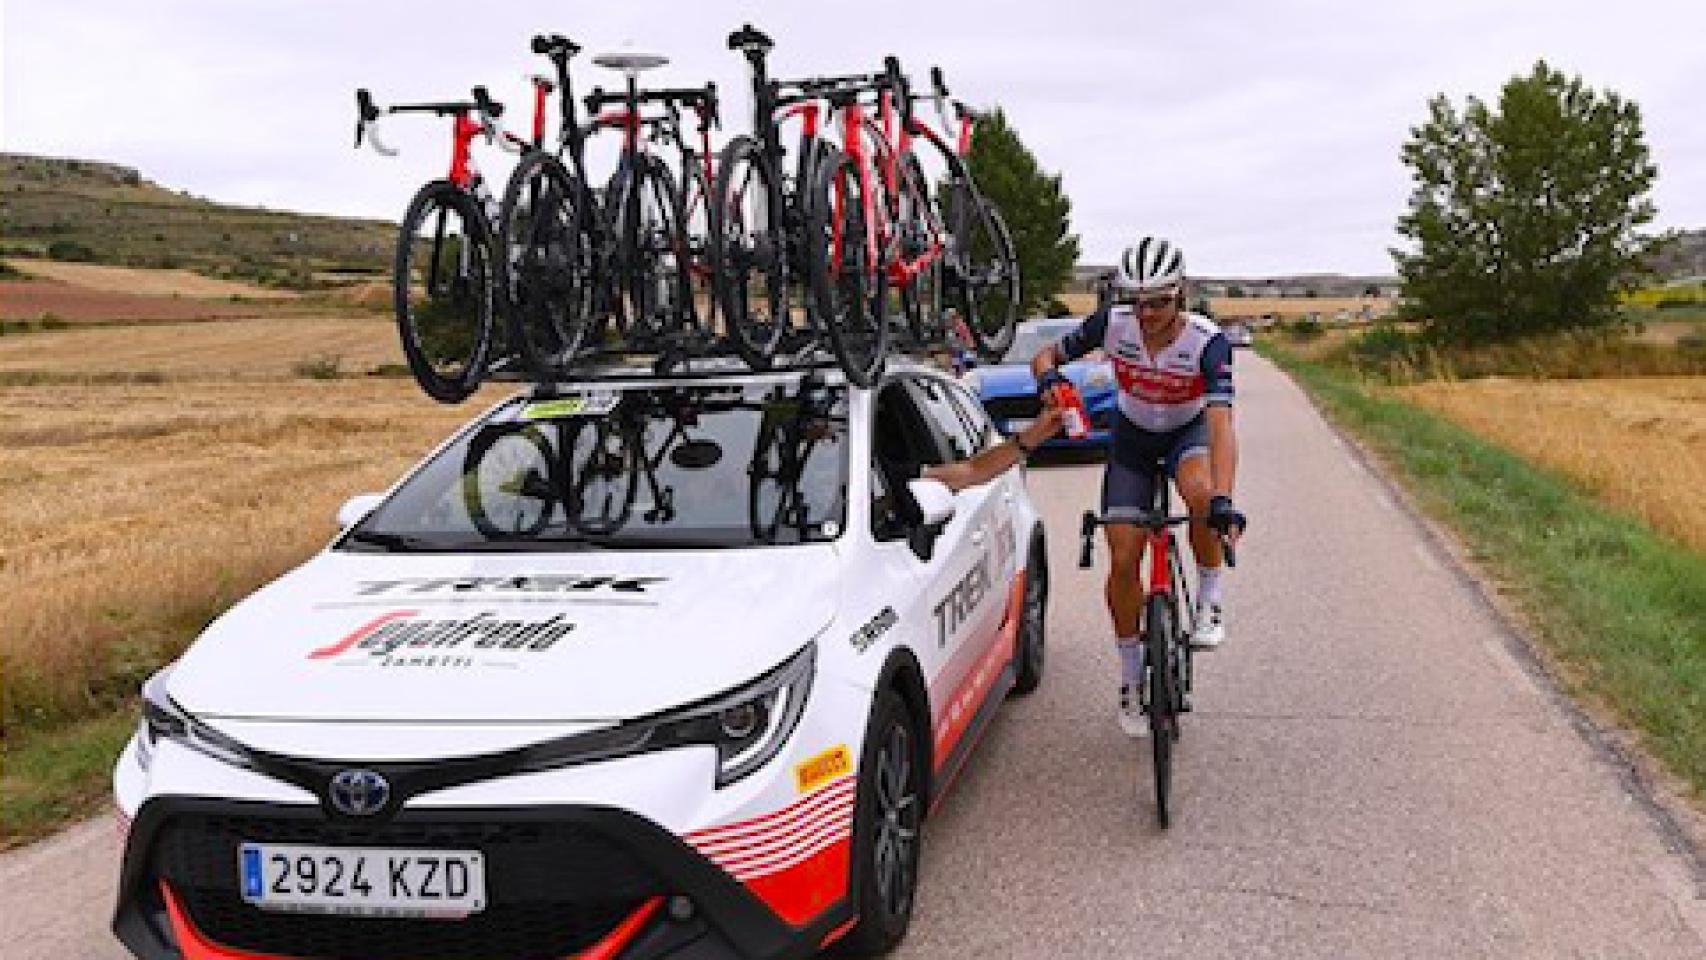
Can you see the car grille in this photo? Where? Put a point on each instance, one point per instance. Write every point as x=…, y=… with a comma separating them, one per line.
x=553, y=889
x=1010, y=408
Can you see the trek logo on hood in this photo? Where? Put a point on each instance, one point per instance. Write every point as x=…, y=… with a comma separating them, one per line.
x=400, y=639
x=527, y=583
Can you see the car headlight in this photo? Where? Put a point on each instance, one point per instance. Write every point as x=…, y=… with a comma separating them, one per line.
x=748, y=726
x=164, y=720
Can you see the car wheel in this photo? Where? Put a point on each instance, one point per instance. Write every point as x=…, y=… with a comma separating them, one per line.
x=1028, y=658
x=886, y=830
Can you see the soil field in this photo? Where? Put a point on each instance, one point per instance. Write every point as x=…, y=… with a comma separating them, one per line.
x=36, y=300
x=271, y=347
x=143, y=282
x=1637, y=443
x=129, y=514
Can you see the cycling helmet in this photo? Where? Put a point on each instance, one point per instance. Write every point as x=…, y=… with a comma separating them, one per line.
x=1153, y=264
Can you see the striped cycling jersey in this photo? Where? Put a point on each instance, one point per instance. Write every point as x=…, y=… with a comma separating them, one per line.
x=1161, y=393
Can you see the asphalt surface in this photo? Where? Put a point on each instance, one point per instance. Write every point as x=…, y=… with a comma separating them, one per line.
x=1374, y=768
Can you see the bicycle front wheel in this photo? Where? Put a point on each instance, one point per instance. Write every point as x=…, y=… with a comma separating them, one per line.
x=547, y=269
x=844, y=263
x=988, y=273
x=1159, y=642
x=749, y=263
x=654, y=245
x=444, y=290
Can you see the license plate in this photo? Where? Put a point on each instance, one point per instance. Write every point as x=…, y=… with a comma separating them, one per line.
x=362, y=881
x=1014, y=426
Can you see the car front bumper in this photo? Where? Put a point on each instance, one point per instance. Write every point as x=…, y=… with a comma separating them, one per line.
x=563, y=879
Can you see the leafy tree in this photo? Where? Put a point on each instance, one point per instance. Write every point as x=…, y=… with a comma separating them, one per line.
x=1037, y=212
x=1524, y=218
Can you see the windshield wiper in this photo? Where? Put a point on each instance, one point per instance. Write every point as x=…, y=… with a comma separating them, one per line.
x=396, y=542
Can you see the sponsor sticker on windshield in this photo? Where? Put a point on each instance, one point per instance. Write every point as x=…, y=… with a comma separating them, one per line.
x=591, y=404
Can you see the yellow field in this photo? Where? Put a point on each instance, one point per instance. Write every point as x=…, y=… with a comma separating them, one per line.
x=232, y=349
x=130, y=514
x=156, y=283
x=1637, y=443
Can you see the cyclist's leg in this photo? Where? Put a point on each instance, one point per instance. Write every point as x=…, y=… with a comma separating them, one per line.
x=1187, y=462
x=1127, y=489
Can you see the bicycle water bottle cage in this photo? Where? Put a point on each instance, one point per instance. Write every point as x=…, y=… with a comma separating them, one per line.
x=632, y=64
x=749, y=41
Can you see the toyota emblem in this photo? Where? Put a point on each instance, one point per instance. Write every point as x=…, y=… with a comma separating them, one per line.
x=359, y=793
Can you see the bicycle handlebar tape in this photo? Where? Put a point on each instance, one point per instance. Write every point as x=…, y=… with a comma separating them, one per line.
x=937, y=82
x=365, y=113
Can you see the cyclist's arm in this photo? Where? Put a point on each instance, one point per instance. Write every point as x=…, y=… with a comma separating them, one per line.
x=1088, y=336
x=1222, y=437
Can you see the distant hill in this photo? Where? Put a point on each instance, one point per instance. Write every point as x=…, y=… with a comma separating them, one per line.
x=107, y=213
x=1684, y=259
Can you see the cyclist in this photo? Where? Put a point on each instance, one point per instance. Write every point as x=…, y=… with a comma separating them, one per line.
x=1174, y=370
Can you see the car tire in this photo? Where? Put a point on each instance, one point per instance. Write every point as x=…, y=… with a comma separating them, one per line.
x=1033, y=617
x=885, y=858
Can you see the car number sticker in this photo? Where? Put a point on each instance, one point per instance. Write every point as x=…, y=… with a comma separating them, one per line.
x=579, y=405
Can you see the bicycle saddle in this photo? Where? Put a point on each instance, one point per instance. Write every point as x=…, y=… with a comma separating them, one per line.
x=748, y=38
x=630, y=62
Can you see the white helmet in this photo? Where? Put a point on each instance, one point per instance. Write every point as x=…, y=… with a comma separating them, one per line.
x=1153, y=264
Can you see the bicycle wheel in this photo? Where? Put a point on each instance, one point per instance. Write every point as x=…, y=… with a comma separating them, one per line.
x=547, y=263
x=749, y=263
x=1158, y=641
x=918, y=232
x=848, y=286
x=507, y=484
x=702, y=310
x=987, y=272
x=654, y=251
x=443, y=291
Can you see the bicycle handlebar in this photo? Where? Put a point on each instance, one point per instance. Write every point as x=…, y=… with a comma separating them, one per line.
x=1146, y=519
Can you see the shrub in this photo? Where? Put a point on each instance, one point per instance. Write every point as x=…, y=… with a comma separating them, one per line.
x=70, y=251
x=321, y=366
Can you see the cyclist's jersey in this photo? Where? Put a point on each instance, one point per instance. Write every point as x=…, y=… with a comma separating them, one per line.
x=1166, y=392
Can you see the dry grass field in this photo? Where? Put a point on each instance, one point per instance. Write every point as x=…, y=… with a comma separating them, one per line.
x=129, y=514
x=141, y=282
x=1638, y=443
x=1286, y=308
x=260, y=348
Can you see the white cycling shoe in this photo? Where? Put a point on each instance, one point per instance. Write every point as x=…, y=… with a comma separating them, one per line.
x=1211, y=628
x=1133, y=720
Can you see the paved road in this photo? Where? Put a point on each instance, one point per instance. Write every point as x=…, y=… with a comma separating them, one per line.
x=1373, y=770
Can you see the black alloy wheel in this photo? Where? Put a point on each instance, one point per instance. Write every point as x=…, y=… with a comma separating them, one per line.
x=1028, y=658
x=886, y=837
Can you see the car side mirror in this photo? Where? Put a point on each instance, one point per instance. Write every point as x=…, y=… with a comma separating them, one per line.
x=356, y=508
x=936, y=507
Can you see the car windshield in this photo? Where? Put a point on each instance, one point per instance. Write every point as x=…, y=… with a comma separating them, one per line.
x=644, y=468
x=1028, y=338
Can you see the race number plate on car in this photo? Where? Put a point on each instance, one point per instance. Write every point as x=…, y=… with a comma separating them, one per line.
x=359, y=881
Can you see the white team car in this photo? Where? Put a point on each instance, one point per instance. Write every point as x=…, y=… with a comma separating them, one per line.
x=641, y=668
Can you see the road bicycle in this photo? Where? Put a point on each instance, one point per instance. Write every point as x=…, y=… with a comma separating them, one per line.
x=444, y=277
x=612, y=272
x=1168, y=622
x=765, y=242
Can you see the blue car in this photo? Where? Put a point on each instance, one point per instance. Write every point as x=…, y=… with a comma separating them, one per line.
x=1009, y=392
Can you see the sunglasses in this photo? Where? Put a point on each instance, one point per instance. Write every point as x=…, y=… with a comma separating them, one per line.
x=1153, y=303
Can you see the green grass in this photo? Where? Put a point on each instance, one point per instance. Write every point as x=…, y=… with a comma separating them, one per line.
x=1622, y=608
x=50, y=779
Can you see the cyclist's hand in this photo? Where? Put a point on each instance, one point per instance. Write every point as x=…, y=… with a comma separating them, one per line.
x=1225, y=519
x=1048, y=423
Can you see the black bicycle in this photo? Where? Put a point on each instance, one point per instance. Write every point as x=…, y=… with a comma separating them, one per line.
x=1168, y=622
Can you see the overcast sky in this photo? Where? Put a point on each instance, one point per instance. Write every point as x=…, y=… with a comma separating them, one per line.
x=1263, y=136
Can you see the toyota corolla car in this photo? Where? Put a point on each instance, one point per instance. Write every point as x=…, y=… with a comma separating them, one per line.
x=636, y=668
x=1008, y=391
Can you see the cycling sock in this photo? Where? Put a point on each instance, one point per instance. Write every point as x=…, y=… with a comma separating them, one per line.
x=1209, y=577
x=1131, y=661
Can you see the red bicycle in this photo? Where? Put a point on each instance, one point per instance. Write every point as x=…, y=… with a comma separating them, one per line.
x=1168, y=621
x=444, y=280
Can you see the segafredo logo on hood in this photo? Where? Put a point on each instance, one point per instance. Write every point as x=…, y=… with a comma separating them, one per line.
x=401, y=638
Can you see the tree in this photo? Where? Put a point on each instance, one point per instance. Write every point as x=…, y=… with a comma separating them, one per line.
x=1036, y=210
x=1524, y=218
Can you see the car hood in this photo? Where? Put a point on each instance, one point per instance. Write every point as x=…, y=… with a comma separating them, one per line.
x=506, y=638
x=1089, y=376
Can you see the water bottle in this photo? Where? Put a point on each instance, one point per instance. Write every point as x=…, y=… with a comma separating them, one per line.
x=1073, y=415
